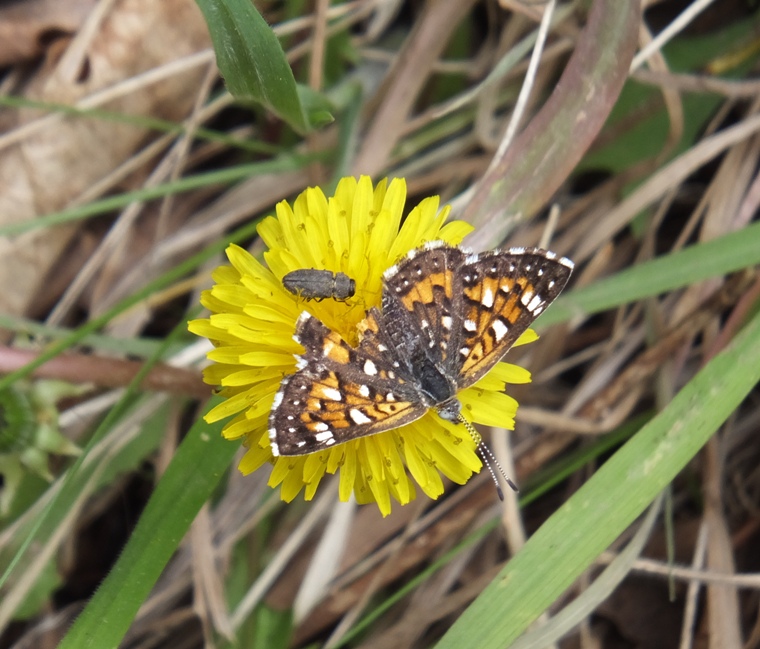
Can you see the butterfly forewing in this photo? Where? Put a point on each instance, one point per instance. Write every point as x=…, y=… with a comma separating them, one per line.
x=419, y=299
x=503, y=293
x=338, y=394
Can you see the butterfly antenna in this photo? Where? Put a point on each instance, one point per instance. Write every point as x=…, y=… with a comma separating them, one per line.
x=487, y=457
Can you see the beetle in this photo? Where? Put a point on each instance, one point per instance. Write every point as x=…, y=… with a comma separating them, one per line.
x=313, y=284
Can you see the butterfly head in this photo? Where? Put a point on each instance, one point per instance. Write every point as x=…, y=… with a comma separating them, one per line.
x=450, y=410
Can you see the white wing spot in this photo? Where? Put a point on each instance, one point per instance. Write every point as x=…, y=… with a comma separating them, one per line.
x=390, y=272
x=364, y=391
x=464, y=351
x=446, y=322
x=324, y=437
x=321, y=427
x=382, y=348
x=535, y=303
x=332, y=394
x=369, y=368
x=273, y=442
x=552, y=283
x=329, y=346
x=358, y=416
x=500, y=330
x=390, y=397
x=470, y=325
x=424, y=324
x=526, y=298
x=487, y=300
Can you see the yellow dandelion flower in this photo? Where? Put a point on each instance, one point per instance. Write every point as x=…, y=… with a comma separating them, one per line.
x=358, y=235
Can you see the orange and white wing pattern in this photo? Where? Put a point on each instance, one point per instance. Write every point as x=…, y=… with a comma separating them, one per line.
x=338, y=394
x=503, y=292
x=420, y=302
x=447, y=317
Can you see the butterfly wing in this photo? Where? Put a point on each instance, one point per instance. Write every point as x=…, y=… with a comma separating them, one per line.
x=419, y=311
x=338, y=393
x=503, y=292
x=448, y=317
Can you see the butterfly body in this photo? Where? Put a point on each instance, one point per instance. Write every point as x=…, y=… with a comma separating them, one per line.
x=447, y=317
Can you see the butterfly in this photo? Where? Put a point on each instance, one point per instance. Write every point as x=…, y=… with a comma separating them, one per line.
x=447, y=317
x=313, y=284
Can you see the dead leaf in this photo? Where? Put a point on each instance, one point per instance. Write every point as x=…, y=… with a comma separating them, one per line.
x=49, y=168
x=26, y=28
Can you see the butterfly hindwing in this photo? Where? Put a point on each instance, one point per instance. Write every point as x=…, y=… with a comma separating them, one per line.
x=338, y=394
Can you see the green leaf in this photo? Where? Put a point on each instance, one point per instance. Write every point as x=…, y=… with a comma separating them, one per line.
x=252, y=61
x=317, y=106
x=556, y=555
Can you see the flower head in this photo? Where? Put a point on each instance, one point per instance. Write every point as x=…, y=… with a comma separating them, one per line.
x=358, y=232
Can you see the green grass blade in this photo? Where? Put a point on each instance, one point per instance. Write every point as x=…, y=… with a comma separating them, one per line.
x=716, y=258
x=610, y=501
x=538, y=484
x=284, y=163
x=143, y=121
x=88, y=471
x=599, y=590
x=193, y=474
